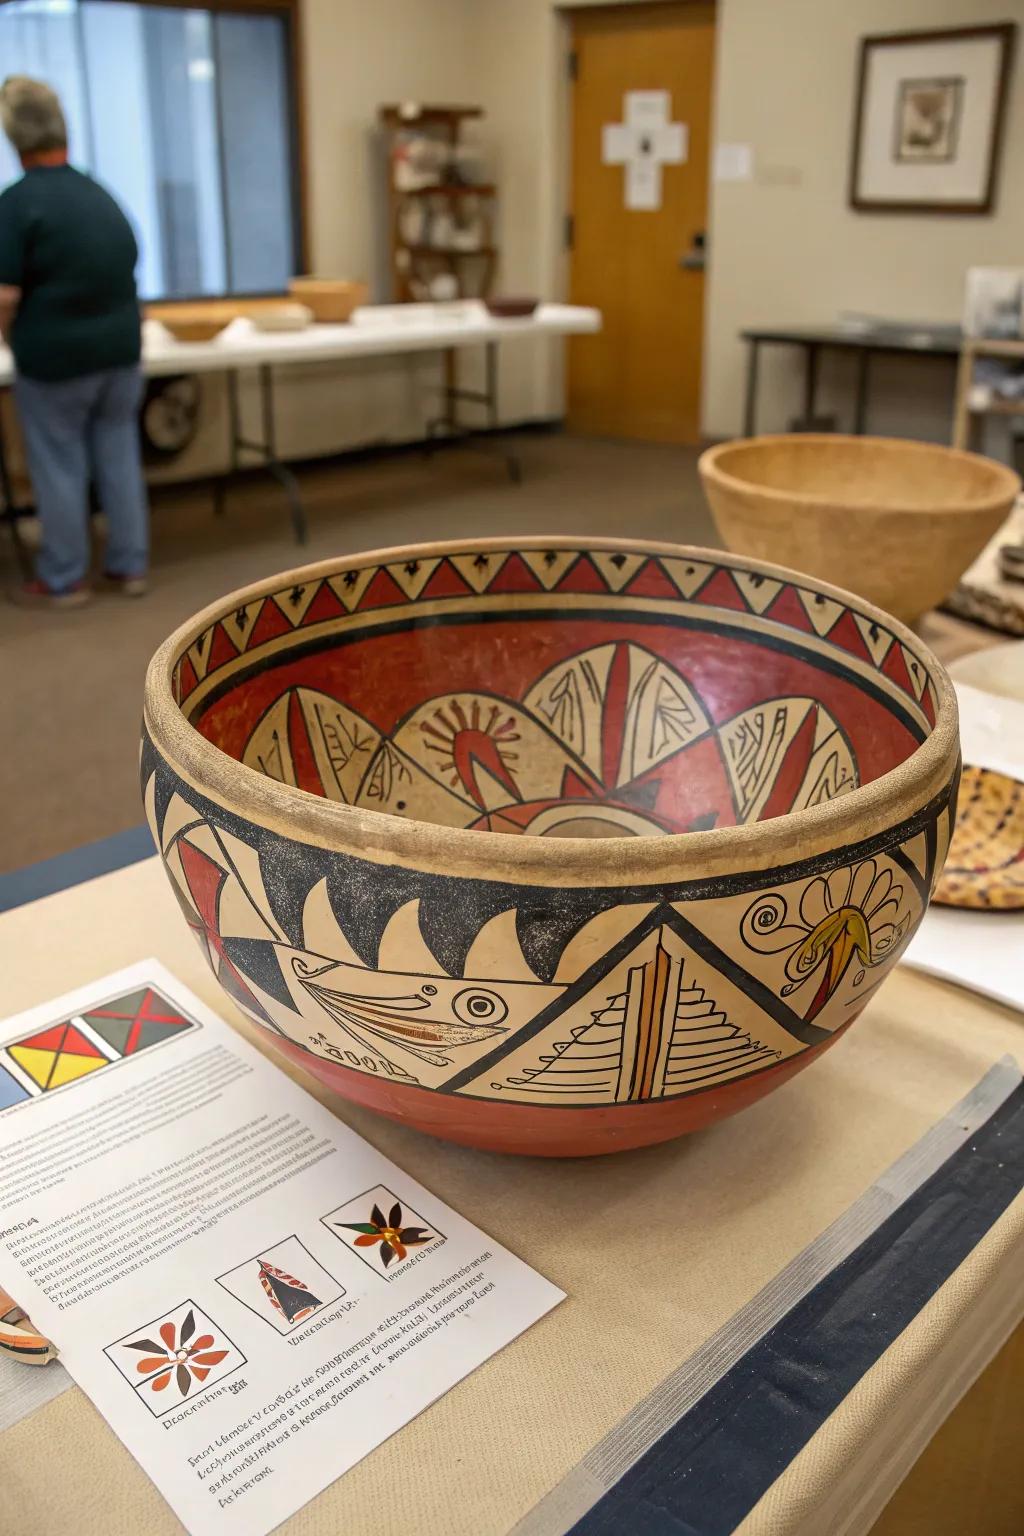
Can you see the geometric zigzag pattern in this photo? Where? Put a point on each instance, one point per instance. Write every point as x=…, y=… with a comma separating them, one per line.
x=694, y=584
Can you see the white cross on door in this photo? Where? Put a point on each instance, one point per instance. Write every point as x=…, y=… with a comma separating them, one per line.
x=643, y=142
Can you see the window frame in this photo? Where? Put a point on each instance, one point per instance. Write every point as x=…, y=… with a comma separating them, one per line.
x=291, y=13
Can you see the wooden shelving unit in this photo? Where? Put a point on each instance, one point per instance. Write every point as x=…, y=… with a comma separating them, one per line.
x=415, y=262
x=966, y=415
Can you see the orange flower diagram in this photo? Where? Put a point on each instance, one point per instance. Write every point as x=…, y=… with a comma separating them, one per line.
x=182, y=1359
x=394, y=1239
x=850, y=915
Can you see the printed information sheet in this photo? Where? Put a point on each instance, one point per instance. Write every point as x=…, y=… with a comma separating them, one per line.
x=251, y=1295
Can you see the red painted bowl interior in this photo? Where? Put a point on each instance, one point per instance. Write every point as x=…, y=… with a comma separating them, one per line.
x=585, y=720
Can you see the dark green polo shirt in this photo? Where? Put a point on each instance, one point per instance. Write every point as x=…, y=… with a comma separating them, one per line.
x=66, y=244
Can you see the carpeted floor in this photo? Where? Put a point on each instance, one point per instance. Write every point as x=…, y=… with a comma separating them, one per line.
x=71, y=683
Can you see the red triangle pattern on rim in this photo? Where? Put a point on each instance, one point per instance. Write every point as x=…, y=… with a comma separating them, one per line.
x=446, y=582
x=651, y=581
x=515, y=576
x=581, y=577
x=789, y=610
x=325, y=606
x=221, y=650
x=844, y=632
x=382, y=592
x=268, y=626
x=720, y=591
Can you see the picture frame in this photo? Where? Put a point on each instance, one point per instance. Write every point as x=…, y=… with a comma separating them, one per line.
x=929, y=118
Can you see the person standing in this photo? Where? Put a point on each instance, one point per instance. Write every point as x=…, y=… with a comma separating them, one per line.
x=69, y=311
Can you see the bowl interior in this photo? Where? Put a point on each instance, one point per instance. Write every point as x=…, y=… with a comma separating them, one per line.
x=855, y=471
x=558, y=692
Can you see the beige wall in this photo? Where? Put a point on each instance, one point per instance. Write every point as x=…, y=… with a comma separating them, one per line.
x=786, y=248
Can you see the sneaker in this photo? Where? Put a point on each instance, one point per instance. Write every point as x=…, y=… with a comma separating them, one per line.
x=128, y=586
x=36, y=594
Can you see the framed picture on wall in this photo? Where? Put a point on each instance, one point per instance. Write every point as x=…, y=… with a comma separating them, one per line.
x=928, y=122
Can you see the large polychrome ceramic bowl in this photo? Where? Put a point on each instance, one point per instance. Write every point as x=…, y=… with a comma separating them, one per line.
x=550, y=847
x=897, y=522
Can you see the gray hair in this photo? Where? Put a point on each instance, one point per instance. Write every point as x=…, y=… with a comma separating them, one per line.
x=31, y=115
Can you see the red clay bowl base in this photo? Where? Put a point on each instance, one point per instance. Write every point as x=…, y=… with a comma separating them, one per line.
x=534, y=1132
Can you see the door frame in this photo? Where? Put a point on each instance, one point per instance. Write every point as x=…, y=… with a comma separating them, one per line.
x=562, y=13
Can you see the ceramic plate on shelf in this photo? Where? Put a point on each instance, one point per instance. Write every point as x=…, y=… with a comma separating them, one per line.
x=985, y=866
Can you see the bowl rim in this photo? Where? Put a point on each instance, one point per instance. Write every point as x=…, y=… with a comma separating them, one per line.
x=296, y=814
x=710, y=468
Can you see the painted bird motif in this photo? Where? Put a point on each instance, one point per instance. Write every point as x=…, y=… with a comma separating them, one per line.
x=428, y=1020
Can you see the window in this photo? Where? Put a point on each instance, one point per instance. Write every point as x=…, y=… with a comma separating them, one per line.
x=187, y=117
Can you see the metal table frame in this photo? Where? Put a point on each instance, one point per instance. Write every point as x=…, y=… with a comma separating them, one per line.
x=865, y=344
x=447, y=426
x=263, y=449
x=444, y=336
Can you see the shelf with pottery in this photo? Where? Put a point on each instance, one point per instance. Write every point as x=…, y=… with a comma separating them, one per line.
x=973, y=401
x=452, y=189
x=440, y=210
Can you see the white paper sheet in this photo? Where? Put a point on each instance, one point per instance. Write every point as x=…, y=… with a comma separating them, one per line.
x=643, y=185
x=201, y=1239
x=980, y=950
x=616, y=143
x=646, y=109
x=733, y=162
x=643, y=142
x=670, y=143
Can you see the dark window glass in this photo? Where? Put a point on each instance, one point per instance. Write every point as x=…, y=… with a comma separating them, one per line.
x=186, y=115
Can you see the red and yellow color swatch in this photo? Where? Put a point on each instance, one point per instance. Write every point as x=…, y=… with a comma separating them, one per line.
x=56, y=1056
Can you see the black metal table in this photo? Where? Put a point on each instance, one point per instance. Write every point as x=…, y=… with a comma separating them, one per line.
x=887, y=340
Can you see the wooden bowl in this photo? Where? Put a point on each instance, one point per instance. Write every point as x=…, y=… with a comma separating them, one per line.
x=512, y=308
x=195, y=327
x=331, y=299
x=896, y=522
x=548, y=846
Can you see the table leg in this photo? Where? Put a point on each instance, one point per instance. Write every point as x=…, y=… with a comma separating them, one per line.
x=961, y=410
x=234, y=434
x=810, y=385
x=9, y=512
x=448, y=425
x=266, y=449
x=281, y=473
x=750, y=408
x=860, y=412
x=512, y=463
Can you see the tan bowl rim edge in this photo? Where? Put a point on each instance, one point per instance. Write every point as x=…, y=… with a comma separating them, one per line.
x=709, y=467
x=820, y=830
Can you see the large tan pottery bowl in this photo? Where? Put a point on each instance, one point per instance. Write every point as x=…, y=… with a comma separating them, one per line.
x=546, y=845
x=896, y=522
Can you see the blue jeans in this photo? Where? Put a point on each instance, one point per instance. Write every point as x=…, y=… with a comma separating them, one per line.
x=76, y=430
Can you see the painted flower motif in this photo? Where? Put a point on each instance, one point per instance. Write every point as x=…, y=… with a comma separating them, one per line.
x=178, y=1355
x=850, y=915
x=394, y=1239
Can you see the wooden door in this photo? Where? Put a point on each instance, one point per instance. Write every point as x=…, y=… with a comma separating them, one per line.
x=641, y=377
